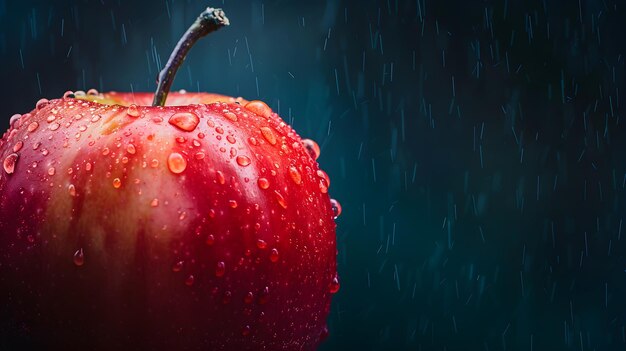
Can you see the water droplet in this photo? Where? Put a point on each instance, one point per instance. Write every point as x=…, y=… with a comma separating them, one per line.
x=30, y=238
x=187, y=121
x=51, y=171
x=68, y=94
x=324, y=333
x=253, y=141
x=178, y=266
x=243, y=161
x=336, y=207
x=88, y=167
x=227, y=297
x=312, y=148
x=261, y=244
x=219, y=130
x=199, y=155
x=231, y=116
x=274, y=255
x=9, y=163
x=190, y=280
x=232, y=203
x=263, y=183
x=92, y=92
x=230, y=139
x=154, y=202
x=79, y=257
x=245, y=331
x=219, y=175
x=72, y=189
x=334, y=285
x=323, y=187
x=281, y=200
x=154, y=163
x=117, y=183
x=32, y=127
x=131, y=149
x=248, y=298
x=268, y=135
x=133, y=111
x=210, y=239
x=95, y=118
x=176, y=163
x=264, y=295
x=18, y=146
x=41, y=103
x=260, y=108
x=220, y=269
x=295, y=175
x=54, y=126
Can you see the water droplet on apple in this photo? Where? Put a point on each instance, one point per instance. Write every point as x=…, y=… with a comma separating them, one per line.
x=220, y=269
x=32, y=127
x=133, y=111
x=295, y=175
x=219, y=130
x=79, y=258
x=253, y=141
x=95, y=118
x=274, y=255
x=51, y=171
x=263, y=183
x=199, y=155
x=231, y=139
x=220, y=177
x=264, y=295
x=41, y=104
x=312, y=148
x=190, y=280
x=245, y=331
x=131, y=149
x=154, y=163
x=117, y=183
x=323, y=187
x=281, y=200
x=18, y=146
x=248, y=298
x=268, y=135
x=9, y=163
x=72, y=190
x=92, y=92
x=227, y=297
x=324, y=333
x=54, y=126
x=210, y=239
x=334, y=285
x=178, y=266
x=232, y=203
x=336, y=207
x=261, y=244
x=176, y=163
x=243, y=161
x=68, y=94
x=186, y=121
x=260, y=108
x=231, y=116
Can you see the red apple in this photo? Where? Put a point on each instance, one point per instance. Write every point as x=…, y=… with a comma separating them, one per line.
x=203, y=225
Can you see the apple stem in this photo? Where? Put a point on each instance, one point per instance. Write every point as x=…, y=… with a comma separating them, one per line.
x=209, y=21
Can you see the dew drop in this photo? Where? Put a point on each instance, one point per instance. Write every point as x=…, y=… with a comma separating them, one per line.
x=117, y=183
x=199, y=155
x=41, y=103
x=178, y=266
x=210, y=239
x=32, y=127
x=231, y=116
x=268, y=135
x=323, y=187
x=274, y=255
x=264, y=295
x=243, y=161
x=334, y=285
x=133, y=111
x=54, y=126
x=9, y=163
x=248, y=298
x=336, y=207
x=219, y=130
x=260, y=108
x=79, y=257
x=154, y=202
x=295, y=175
x=186, y=121
x=190, y=280
x=72, y=190
x=68, y=94
x=131, y=149
x=263, y=183
x=92, y=92
x=51, y=171
x=230, y=139
x=312, y=148
x=232, y=203
x=281, y=200
x=245, y=331
x=261, y=244
x=154, y=163
x=220, y=269
x=18, y=146
x=176, y=163
x=227, y=297
x=253, y=141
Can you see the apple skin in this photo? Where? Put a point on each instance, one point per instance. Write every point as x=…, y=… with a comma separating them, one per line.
x=108, y=242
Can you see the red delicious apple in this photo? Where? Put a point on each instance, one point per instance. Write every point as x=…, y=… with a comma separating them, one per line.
x=204, y=225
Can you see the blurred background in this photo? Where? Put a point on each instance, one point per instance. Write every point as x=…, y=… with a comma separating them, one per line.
x=477, y=146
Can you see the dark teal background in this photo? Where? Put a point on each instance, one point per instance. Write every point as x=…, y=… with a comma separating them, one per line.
x=478, y=147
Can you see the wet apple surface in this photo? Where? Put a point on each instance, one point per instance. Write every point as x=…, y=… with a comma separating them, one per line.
x=205, y=225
